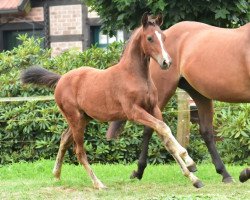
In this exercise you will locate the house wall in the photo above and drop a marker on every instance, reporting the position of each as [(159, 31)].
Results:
[(65, 23), (65, 20), (35, 15)]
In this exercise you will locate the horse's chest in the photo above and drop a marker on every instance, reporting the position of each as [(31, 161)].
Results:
[(147, 98)]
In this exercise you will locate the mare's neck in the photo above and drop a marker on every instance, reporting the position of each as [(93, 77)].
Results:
[(133, 59)]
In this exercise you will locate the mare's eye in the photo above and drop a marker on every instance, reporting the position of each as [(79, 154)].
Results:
[(150, 39)]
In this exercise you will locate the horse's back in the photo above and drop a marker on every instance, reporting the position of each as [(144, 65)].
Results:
[(215, 61), (71, 81)]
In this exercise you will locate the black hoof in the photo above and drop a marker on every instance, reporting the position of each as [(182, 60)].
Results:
[(192, 168), (244, 176), (198, 184), (228, 180), (135, 175)]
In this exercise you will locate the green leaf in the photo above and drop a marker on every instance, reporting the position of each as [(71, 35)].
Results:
[(221, 13)]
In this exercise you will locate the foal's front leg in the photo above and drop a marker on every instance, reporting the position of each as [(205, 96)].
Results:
[(177, 151)]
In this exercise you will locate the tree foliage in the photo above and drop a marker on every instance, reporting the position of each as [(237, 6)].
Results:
[(127, 13)]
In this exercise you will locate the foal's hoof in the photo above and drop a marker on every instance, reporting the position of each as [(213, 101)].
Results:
[(244, 176), (57, 176), (100, 186), (228, 180), (192, 168), (135, 175), (198, 184)]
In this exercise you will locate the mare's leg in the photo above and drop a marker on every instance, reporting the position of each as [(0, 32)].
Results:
[(179, 153), (244, 175), (166, 84), (115, 129), (77, 123), (66, 142), (205, 111), (142, 163)]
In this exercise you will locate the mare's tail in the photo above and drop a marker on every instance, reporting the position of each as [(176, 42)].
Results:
[(40, 76)]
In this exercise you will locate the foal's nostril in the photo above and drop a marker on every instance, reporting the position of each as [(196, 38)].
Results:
[(166, 64)]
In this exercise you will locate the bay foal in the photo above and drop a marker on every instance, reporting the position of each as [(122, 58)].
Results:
[(210, 63), (124, 91)]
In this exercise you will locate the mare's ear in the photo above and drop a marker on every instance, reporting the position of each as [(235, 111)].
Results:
[(159, 20), (144, 19)]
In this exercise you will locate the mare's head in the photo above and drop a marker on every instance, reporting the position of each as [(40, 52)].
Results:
[(152, 40)]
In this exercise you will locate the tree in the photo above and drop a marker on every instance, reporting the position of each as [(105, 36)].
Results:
[(126, 14)]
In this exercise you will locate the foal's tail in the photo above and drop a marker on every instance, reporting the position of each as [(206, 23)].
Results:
[(40, 76)]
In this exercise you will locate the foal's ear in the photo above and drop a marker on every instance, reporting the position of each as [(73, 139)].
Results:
[(159, 20), (144, 19)]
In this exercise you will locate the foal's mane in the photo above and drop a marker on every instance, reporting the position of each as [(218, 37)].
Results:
[(151, 22), (128, 42)]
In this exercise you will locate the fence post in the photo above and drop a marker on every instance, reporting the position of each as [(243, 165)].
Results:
[(183, 124)]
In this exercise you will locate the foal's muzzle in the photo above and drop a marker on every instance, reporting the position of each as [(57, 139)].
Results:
[(166, 63)]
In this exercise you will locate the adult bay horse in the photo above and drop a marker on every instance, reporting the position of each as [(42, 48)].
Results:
[(210, 63), (124, 91)]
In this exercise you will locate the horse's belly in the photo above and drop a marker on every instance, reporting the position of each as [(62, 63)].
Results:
[(234, 91), (105, 115), (101, 107)]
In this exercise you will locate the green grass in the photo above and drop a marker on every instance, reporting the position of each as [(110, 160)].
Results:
[(35, 181)]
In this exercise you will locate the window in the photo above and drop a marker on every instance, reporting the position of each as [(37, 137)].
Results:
[(10, 31), (102, 40), (10, 37)]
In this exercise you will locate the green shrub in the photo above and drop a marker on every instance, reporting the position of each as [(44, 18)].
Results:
[(232, 124)]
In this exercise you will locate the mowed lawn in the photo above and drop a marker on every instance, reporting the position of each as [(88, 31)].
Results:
[(35, 181)]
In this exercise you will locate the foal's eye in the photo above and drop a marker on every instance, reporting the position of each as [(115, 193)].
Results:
[(150, 39)]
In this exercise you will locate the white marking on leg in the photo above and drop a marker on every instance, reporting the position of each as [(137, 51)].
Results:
[(164, 53)]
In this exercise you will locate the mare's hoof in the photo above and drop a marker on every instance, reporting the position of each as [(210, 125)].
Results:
[(228, 180), (192, 168), (244, 176), (135, 175), (198, 184)]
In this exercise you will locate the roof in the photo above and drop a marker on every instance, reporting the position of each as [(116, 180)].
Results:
[(14, 6)]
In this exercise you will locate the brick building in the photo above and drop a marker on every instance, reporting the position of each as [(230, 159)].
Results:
[(62, 23)]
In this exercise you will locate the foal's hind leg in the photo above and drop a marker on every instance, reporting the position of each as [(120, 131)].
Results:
[(66, 141), (77, 123)]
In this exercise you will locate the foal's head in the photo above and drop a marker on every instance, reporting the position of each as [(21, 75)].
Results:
[(152, 40)]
